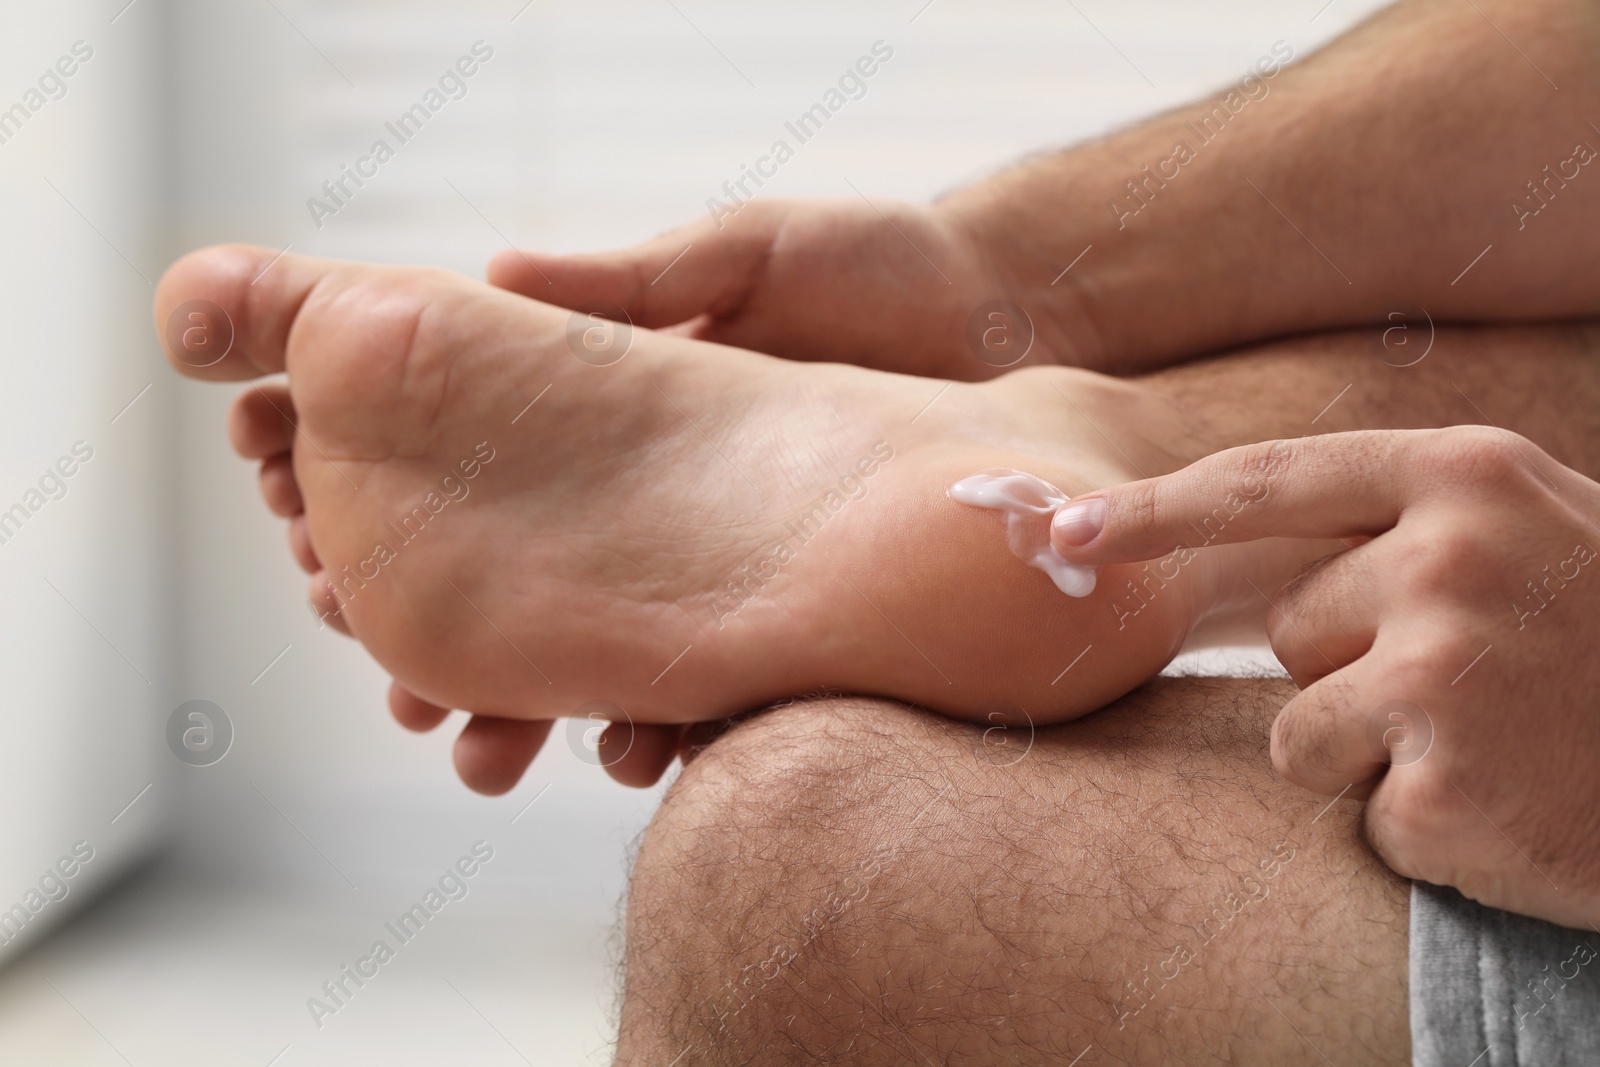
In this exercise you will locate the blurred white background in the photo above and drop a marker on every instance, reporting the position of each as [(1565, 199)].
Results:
[(220, 898)]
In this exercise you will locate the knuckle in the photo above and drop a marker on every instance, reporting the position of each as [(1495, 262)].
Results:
[(1211, 492), (1255, 466), (1447, 558), (1140, 511), (1429, 563), (1405, 821), (1302, 743), (1293, 606), (1292, 599), (1482, 455), (1282, 635), (1415, 666)]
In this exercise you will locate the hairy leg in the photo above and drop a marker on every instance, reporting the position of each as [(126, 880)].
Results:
[(851, 881)]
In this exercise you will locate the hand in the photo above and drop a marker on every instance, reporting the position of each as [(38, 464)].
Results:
[(891, 286), (1446, 661)]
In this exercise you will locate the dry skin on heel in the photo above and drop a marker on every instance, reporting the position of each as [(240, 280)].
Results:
[(1029, 504)]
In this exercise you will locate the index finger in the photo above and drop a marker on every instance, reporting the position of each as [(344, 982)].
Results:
[(1330, 486)]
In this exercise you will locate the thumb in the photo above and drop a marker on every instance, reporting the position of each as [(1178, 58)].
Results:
[(707, 267)]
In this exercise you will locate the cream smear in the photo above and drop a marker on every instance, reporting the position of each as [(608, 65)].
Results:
[(1029, 504)]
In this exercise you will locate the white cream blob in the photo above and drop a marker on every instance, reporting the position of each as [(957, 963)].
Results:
[(1029, 504)]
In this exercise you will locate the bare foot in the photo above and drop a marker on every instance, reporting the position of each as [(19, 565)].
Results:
[(686, 533)]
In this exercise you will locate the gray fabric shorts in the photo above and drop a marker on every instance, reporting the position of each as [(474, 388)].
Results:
[(1492, 989)]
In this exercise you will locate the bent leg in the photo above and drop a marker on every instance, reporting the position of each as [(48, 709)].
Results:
[(851, 881)]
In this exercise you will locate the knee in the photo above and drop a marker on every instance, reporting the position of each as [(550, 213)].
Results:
[(760, 875), (852, 881)]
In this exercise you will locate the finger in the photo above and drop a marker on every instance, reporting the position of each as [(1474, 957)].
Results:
[(1332, 486), (300, 545), (1320, 740), (319, 592), (1327, 616), (491, 754), (412, 712), (261, 422), (257, 292), (650, 750), (279, 488), (697, 269)]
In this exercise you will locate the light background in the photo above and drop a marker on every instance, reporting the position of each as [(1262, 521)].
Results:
[(223, 897)]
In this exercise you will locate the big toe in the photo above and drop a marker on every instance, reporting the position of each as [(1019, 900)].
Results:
[(224, 313)]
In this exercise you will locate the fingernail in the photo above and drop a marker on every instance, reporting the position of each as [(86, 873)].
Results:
[(1080, 523)]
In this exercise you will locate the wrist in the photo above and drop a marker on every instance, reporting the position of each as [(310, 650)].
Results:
[(1032, 253), (1134, 261)]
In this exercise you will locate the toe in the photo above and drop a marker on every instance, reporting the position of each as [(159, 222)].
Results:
[(412, 712), (300, 545), (261, 422), (649, 751), (491, 754), (319, 593), (225, 312), (278, 487), (697, 736)]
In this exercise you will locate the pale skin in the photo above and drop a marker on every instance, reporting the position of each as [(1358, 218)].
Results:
[(1402, 154), (382, 415), (581, 548), (598, 529), (1469, 543)]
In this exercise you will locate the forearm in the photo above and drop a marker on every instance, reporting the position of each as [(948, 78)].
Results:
[(1329, 193), (1541, 382)]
